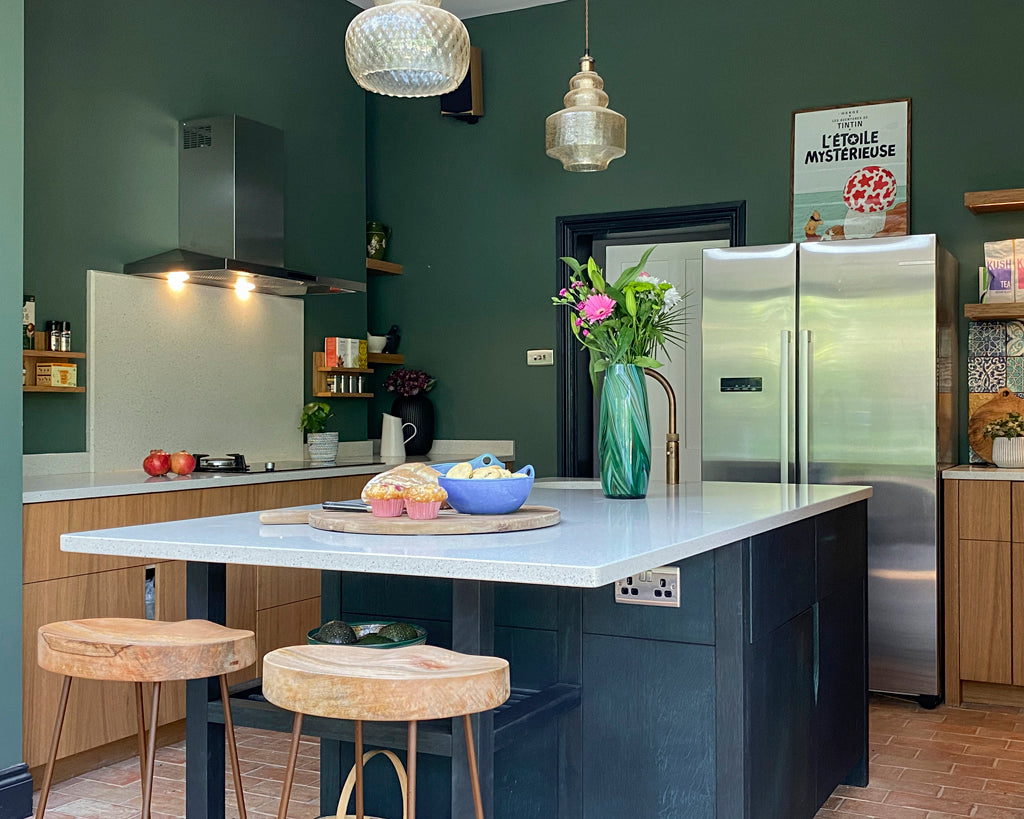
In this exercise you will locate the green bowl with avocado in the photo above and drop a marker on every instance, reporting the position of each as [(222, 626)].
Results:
[(367, 634)]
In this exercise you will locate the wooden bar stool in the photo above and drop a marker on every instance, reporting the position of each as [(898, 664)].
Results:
[(389, 685), (142, 651)]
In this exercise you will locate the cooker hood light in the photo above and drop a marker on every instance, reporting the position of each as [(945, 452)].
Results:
[(231, 214)]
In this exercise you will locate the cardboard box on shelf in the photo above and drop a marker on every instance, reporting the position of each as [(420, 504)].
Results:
[(1001, 285), (56, 375), (345, 352)]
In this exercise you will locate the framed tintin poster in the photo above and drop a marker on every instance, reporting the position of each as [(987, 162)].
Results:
[(851, 172)]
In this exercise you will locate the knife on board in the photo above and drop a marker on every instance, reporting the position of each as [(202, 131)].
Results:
[(277, 516)]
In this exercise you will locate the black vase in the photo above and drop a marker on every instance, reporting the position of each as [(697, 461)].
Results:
[(418, 410)]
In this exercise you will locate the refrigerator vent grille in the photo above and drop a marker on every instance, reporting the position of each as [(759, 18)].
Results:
[(197, 136)]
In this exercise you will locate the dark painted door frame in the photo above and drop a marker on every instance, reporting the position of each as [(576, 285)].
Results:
[(575, 236)]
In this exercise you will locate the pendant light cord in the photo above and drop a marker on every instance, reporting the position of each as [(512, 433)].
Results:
[(586, 27)]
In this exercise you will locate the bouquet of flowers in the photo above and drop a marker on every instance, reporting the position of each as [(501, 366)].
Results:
[(1012, 426), (409, 382), (627, 322)]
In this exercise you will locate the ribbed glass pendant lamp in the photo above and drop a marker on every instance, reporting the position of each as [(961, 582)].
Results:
[(407, 48), (585, 135)]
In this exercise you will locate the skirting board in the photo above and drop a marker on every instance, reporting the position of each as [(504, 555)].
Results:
[(15, 792)]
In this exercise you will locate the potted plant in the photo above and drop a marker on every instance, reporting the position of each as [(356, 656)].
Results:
[(323, 446), (412, 406), (1007, 436)]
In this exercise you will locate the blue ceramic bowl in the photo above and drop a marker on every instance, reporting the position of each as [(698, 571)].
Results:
[(496, 496)]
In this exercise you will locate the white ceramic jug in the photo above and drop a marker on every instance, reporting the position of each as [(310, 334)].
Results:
[(392, 444)]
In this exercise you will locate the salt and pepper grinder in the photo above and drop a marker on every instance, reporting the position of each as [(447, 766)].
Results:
[(65, 337)]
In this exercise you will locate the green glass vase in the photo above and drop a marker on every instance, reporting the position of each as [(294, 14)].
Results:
[(624, 435)]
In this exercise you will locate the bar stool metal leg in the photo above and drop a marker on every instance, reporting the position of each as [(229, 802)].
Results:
[(229, 730), (360, 810), (147, 780), (289, 773), (62, 708), (140, 722), (410, 765), (474, 776)]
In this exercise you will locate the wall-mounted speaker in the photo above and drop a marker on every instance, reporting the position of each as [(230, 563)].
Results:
[(467, 101)]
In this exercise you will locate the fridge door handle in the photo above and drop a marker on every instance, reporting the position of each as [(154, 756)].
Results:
[(785, 341), (803, 404)]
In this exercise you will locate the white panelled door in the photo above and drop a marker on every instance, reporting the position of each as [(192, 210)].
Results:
[(679, 263)]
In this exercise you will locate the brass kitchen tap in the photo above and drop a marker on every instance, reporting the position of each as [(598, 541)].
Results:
[(672, 438)]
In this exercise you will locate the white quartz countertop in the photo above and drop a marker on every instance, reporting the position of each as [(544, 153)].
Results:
[(982, 473), (45, 488), (598, 540)]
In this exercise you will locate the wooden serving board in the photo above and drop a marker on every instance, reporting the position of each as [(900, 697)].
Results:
[(1002, 405), (448, 522)]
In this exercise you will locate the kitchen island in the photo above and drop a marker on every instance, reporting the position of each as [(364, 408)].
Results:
[(748, 700)]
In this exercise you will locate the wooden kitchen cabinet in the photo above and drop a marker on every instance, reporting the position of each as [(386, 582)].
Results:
[(984, 589), (279, 604)]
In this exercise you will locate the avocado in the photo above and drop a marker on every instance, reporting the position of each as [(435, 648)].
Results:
[(336, 632), (373, 640), (399, 632)]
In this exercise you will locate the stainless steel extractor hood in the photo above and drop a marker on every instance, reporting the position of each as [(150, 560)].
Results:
[(231, 213)]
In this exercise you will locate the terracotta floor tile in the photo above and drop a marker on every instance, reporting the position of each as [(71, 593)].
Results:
[(948, 763)]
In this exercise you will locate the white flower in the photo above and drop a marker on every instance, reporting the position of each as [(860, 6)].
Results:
[(672, 297)]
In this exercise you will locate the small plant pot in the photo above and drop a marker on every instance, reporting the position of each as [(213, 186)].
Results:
[(323, 446), (1008, 452)]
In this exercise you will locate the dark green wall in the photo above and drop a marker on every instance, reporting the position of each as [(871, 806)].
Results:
[(106, 84), (708, 90), (11, 191)]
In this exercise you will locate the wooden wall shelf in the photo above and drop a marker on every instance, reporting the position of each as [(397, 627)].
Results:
[(994, 201), (994, 312), (320, 373), (376, 267), (30, 358), (385, 358)]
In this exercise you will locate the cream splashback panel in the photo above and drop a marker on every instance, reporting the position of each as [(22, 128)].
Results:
[(199, 369)]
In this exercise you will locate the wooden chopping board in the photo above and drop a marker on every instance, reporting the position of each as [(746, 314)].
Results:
[(448, 522), (1002, 405)]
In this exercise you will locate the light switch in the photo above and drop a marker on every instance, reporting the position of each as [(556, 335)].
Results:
[(540, 358)]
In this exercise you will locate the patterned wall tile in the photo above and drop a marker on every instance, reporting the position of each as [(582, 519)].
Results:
[(986, 373), (1015, 338), (987, 338), (1015, 373)]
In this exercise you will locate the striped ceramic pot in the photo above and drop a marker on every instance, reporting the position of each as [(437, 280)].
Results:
[(624, 435), (1008, 452)]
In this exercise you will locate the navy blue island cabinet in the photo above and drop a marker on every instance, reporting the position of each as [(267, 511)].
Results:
[(749, 701)]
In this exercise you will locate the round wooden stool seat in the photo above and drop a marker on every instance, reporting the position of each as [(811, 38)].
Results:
[(116, 648), (394, 684)]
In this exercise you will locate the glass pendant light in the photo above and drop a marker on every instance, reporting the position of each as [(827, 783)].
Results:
[(407, 48), (585, 135)]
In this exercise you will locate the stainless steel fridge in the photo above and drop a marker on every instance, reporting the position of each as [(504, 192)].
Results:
[(835, 362)]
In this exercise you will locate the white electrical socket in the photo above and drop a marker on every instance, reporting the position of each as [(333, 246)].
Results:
[(540, 358), (657, 587)]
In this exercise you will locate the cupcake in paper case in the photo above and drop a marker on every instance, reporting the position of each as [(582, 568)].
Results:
[(386, 500), (424, 502)]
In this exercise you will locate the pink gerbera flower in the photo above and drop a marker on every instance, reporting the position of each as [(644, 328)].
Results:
[(598, 307)]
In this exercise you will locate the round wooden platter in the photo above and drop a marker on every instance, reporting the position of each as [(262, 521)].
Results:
[(1002, 405), (448, 522)]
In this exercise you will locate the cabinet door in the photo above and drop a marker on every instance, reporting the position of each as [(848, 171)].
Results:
[(984, 510), (781, 721), (285, 626), (1017, 629), (98, 711), (985, 610)]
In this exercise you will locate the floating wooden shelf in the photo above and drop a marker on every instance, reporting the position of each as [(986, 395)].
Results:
[(30, 358), (385, 358), (994, 312), (343, 395), (55, 354), (343, 370), (994, 201), (376, 267)]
